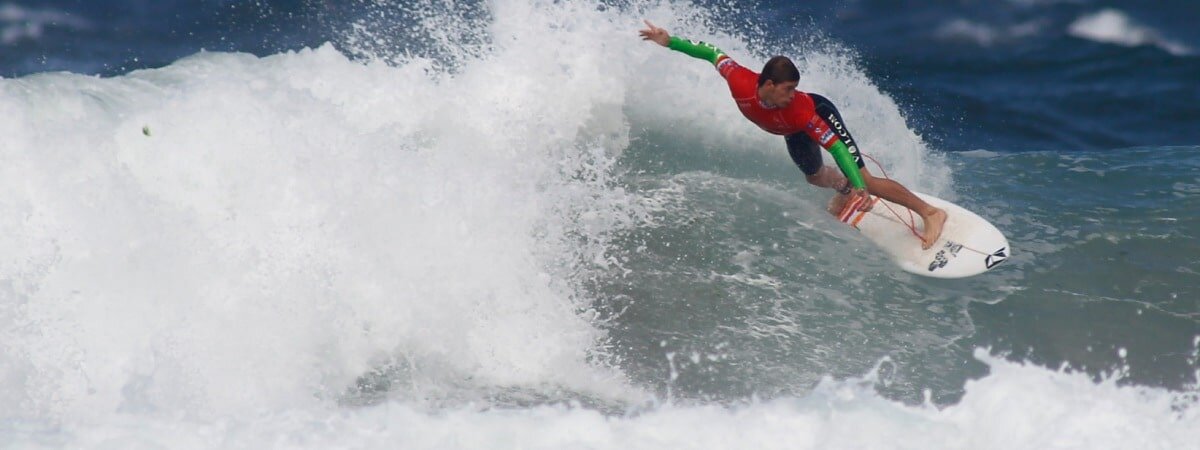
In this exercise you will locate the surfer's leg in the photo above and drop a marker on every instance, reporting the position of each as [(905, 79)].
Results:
[(933, 218), (827, 177), (807, 156)]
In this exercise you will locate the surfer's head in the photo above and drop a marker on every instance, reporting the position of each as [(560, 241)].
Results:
[(778, 80)]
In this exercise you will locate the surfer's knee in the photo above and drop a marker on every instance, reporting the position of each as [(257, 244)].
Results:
[(814, 180), (825, 177)]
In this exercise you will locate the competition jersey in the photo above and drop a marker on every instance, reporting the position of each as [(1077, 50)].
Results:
[(799, 116)]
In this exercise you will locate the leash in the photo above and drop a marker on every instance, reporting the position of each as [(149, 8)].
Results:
[(853, 206)]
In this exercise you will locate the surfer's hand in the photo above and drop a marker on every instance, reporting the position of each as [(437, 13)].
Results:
[(656, 34), (857, 194)]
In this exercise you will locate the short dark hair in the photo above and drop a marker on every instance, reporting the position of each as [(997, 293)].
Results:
[(778, 69)]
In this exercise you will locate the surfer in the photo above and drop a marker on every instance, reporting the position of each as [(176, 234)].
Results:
[(808, 122)]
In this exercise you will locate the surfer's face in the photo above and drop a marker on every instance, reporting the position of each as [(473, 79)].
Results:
[(778, 94)]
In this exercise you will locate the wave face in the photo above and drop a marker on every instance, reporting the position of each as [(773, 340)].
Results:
[(542, 232)]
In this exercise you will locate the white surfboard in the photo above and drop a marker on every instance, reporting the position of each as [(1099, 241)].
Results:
[(969, 245)]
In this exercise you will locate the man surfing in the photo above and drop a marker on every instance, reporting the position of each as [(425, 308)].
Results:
[(808, 122)]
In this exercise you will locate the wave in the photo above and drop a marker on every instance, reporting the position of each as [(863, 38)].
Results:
[(1111, 26), (294, 223), (286, 224), (411, 249)]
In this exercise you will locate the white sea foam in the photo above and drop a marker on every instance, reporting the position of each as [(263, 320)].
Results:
[(231, 233), (1016, 406), (213, 253), (1115, 27)]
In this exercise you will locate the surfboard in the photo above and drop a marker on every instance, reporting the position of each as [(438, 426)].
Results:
[(969, 245)]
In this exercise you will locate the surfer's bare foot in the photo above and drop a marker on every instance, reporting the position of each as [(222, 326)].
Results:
[(933, 227), (838, 203)]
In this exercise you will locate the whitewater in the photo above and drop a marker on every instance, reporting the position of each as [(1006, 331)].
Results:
[(468, 244)]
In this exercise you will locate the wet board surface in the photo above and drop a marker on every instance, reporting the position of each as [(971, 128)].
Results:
[(969, 244)]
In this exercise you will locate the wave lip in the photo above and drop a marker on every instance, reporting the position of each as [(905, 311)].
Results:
[(1111, 26), (292, 223)]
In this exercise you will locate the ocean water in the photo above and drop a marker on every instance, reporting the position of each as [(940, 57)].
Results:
[(513, 224)]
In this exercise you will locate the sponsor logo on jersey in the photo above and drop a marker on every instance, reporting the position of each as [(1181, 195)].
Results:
[(827, 137), (845, 135), (835, 122)]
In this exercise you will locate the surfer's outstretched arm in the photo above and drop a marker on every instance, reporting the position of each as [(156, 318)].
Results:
[(695, 49)]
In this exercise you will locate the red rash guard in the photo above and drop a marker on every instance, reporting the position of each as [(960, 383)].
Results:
[(800, 116)]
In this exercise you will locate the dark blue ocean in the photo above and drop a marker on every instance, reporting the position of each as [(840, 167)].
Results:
[(513, 224)]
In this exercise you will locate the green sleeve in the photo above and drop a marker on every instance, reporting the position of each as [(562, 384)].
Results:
[(695, 49), (841, 154)]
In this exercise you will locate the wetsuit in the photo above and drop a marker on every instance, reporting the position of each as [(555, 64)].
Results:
[(808, 123)]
